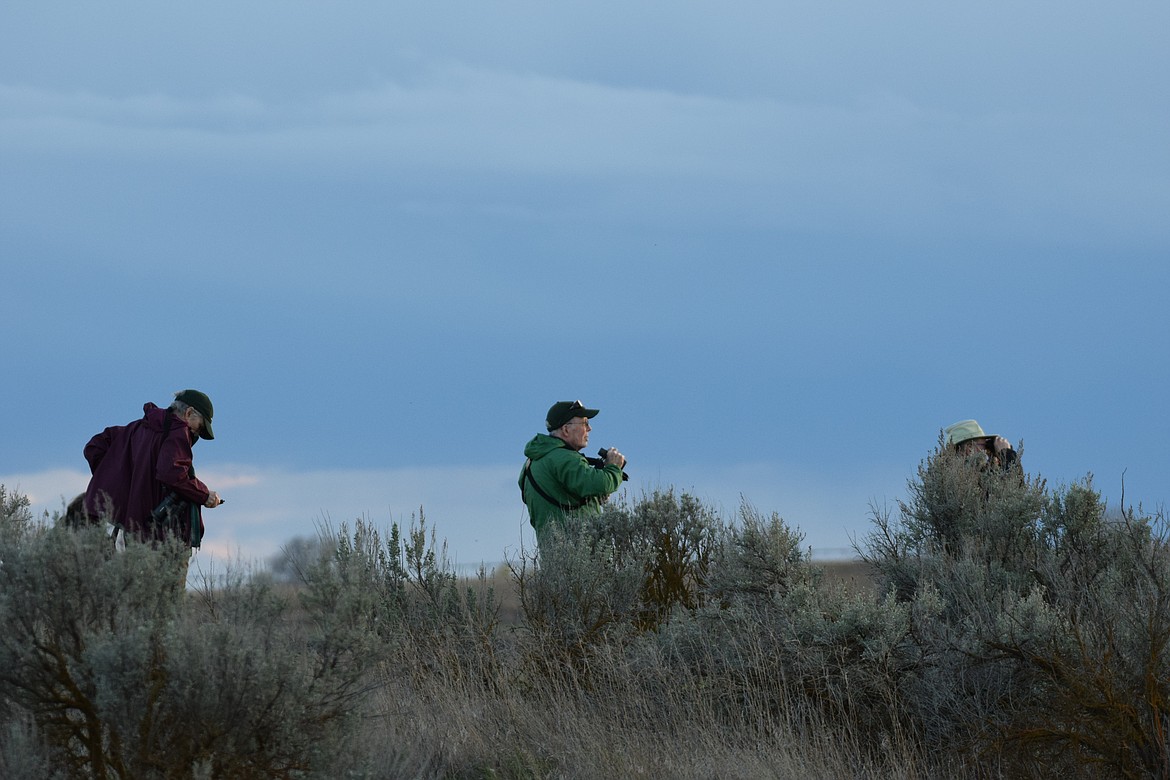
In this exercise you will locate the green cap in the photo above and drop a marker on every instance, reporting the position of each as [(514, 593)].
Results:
[(202, 404), (964, 430), (563, 411)]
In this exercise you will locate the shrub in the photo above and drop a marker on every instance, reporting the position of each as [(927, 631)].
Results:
[(955, 511), (120, 674), (579, 592), (65, 601), (1098, 653), (605, 577), (674, 537), (1019, 632), (773, 637), (1041, 629), (758, 561), (397, 599)]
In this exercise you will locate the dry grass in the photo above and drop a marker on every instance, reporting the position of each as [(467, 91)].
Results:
[(539, 727), (856, 576), (582, 663)]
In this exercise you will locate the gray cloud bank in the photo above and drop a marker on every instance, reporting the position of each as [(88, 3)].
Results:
[(819, 230)]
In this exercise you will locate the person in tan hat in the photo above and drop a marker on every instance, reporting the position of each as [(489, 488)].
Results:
[(143, 482), (967, 437), (557, 480)]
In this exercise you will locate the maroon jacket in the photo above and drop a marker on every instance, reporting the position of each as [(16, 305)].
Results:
[(134, 468)]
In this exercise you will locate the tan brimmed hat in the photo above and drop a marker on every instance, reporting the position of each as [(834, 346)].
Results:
[(964, 430)]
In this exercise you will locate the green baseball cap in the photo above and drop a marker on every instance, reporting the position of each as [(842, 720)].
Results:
[(202, 404), (563, 411), (964, 430)]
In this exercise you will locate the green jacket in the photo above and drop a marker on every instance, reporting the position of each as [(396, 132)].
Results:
[(566, 477)]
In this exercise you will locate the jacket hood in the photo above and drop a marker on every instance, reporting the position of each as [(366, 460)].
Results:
[(153, 415), (541, 445), (155, 418)]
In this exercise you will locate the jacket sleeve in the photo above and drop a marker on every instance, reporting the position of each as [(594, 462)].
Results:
[(583, 481), (174, 469), (96, 449)]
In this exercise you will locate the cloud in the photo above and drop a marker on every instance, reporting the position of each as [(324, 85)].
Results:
[(47, 491), (894, 120), (876, 159)]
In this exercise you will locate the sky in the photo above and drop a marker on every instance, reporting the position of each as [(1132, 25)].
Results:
[(780, 245)]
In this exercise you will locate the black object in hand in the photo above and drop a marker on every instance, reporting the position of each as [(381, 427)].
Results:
[(599, 462)]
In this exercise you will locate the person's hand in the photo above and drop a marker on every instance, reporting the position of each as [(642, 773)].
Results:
[(213, 500), (1000, 444), (613, 457)]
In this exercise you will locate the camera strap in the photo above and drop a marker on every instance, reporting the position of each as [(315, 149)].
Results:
[(166, 430), (171, 510), (528, 477)]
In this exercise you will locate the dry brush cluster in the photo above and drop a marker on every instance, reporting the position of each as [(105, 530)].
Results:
[(1014, 630)]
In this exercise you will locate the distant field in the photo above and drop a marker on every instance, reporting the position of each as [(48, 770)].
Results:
[(856, 575), (852, 573)]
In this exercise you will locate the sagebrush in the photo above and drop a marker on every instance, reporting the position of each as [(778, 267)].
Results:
[(1015, 630)]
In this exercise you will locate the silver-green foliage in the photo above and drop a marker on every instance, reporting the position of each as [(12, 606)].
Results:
[(397, 598), (118, 672), (1022, 632), (582, 589), (749, 631), (1041, 627), (603, 578), (772, 637)]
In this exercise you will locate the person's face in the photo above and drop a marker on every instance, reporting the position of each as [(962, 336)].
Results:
[(194, 420), (974, 446), (977, 451), (576, 432)]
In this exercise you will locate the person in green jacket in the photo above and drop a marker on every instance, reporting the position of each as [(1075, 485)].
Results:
[(557, 481)]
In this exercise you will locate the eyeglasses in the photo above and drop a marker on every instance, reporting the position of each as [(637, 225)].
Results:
[(582, 422)]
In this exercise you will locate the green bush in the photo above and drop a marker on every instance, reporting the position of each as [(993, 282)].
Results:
[(1018, 631), (398, 600), (121, 674), (772, 637), (580, 591), (1041, 628), (606, 577)]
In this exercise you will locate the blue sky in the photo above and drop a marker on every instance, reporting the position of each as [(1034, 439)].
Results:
[(780, 245)]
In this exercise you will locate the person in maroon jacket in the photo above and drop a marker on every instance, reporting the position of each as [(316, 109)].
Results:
[(136, 467)]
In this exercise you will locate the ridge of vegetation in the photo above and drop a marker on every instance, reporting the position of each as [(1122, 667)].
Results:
[(1005, 628)]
